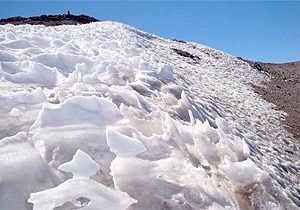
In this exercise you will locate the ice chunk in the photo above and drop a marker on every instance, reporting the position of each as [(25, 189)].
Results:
[(243, 173), (13, 67), (1, 71), (39, 41), (65, 62), (82, 165), (37, 73), (99, 196), (122, 145), (22, 171), (79, 110), (166, 73), (143, 65), (18, 44), (22, 98), (80, 186), (19, 137), (6, 56)]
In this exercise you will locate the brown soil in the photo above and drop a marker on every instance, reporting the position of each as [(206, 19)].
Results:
[(283, 90)]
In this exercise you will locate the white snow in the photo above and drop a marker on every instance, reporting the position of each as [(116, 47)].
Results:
[(104, 116), (81, 165), (97, 195), (22, 171), (122, 145), (80, 191), (242, 173), (79, 110)]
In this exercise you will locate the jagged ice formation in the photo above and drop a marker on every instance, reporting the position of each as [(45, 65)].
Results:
[(107, 116)]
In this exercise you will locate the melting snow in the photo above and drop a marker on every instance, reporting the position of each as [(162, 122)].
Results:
[(122, 145), (81, 165), (136, 124), (80, 191)]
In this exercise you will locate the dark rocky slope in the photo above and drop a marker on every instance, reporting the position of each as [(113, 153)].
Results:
[(50, 20)]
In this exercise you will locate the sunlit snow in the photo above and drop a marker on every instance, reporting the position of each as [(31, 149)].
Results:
[(104, 116), (81, 165), (81, 191)]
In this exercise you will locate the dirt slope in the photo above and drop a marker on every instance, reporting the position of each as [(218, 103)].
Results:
[(283, 90)]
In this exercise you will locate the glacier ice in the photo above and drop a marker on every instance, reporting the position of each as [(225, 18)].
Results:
[(89, 110), (122, 145), (81, 165), (104, 116), (80, 190), (22, 171)]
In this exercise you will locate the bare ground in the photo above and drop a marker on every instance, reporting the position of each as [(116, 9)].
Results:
[(283, 90)]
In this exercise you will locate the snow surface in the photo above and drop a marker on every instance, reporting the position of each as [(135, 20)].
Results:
[(82, 191), (104, 116), (81, 165)]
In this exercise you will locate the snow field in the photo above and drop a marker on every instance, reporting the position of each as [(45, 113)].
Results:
[(103, 116)]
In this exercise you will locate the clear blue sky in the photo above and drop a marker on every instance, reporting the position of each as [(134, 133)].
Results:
[(265, 31)]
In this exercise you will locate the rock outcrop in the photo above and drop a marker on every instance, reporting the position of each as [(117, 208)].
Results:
[(50, 20)]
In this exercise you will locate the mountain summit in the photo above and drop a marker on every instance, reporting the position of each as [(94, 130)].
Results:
[(50, 20), (103, 115)]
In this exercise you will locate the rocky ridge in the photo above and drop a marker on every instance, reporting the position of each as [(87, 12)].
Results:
[(50, 20)]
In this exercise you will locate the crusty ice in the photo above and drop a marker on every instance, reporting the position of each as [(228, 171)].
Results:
[(103, 115)]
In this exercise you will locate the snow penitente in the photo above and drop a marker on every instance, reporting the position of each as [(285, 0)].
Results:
[(105, 115)]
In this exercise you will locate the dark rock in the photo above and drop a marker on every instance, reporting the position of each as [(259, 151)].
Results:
[(185, 54), (50, 20), (258, 66), (177, 40)]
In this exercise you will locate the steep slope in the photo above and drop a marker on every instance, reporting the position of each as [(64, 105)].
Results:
[(103, 114), (283, 90)]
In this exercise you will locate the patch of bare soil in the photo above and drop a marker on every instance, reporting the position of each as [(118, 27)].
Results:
[(283, 90)]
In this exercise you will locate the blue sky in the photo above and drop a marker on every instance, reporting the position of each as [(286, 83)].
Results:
[(267, 31)]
